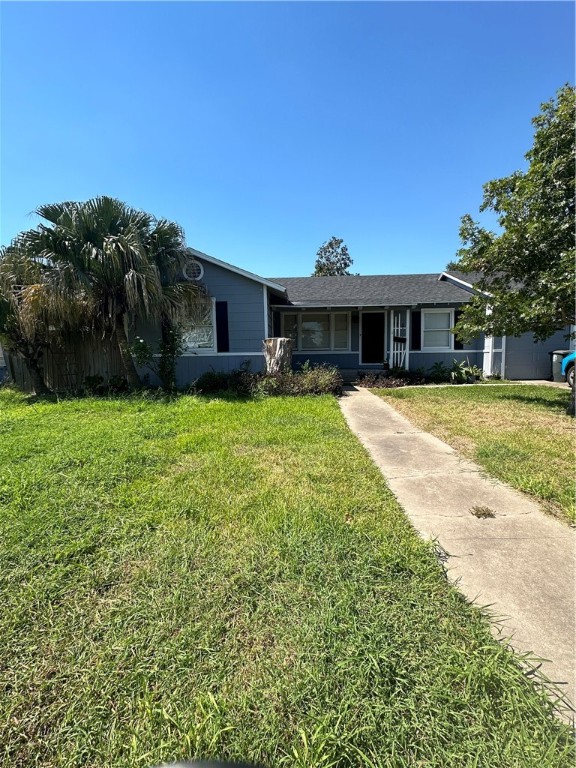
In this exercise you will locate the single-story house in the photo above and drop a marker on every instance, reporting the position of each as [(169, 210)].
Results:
[(355, 322)]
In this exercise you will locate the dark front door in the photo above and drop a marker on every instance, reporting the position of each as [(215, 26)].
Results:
[(372, 338)]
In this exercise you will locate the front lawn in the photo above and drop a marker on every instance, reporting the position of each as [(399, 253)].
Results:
[(519, 433), (202, 577)]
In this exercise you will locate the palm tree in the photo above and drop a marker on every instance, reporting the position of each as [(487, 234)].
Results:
[(126, 260)]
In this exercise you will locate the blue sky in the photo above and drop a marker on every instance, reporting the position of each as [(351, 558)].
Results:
[(265, 128)]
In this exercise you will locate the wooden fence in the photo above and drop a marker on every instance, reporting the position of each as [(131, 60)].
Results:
[(66, 367)]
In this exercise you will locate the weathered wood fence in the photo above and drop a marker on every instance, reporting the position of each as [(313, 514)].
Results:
[(66, 367)]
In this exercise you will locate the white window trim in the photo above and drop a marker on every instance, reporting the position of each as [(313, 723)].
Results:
[(444, 310), (298, 347), (455, 351), (206, 350)]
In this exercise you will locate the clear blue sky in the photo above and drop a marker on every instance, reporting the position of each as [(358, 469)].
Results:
[(265, 128)]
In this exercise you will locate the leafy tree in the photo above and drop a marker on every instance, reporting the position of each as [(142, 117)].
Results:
[(527, 270), (125, 260), (36, 308), (332, 258)]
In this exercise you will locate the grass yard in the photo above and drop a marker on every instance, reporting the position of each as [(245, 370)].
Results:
[(518, 433), (203, 577)]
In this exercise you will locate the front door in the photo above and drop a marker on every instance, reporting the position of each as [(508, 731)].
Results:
[(373, 339)]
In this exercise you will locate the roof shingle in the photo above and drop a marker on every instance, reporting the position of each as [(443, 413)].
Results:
[(371, 290)]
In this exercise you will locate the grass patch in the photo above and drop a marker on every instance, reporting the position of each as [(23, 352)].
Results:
[(518, 433), (482, 512), (205, 577)]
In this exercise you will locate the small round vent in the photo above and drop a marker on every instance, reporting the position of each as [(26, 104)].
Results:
[(193, 270)]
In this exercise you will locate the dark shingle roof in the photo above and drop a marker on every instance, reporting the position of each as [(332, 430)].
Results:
[(372, 290), (468, 277)]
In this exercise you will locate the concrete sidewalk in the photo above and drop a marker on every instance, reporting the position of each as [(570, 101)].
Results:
[(520, 562)]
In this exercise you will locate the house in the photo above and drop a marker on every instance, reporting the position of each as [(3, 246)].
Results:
[(355, 322)]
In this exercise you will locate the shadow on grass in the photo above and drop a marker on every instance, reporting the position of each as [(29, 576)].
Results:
[(61, 397), (560, 405), (158, 396)]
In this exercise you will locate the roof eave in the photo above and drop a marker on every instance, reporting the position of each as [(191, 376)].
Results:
[(366, 304), (249, 275)]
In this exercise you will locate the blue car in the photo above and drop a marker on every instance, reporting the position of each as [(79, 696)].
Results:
[(568, 368)]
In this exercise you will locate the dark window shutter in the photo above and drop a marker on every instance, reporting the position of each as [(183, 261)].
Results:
[(223, 343), (277, 331), (457, 343), (415, 330)]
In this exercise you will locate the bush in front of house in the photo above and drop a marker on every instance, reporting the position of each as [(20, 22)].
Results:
[(392, 379), (461, 372), (238, 382), (310, 380), (439, 373), (97, 386)]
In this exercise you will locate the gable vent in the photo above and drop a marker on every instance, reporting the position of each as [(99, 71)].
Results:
[(193, 270)]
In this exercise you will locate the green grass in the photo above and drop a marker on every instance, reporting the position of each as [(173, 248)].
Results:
[(202, 577), (518, 433)]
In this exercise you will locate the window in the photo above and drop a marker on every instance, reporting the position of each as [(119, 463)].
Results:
[(340, 331), (291, 328), (318, 331), (436, 325), (199, 331), (315, 331)]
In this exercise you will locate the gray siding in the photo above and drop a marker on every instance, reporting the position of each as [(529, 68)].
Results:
[(523, 359), (340, 359), (497, 364), (245, 299), (474, 345), (246, 327), (189, 368), (426, 360), (245, 306)]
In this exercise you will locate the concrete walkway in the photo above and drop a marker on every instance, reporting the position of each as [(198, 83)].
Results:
[(520, 562)]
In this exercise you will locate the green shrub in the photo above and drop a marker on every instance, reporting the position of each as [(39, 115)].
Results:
[(464, 373), (161, 359), (212, 382), (118, 385), (319, 380), (439, 373), (396, 377), (311, 380), (94, 385)]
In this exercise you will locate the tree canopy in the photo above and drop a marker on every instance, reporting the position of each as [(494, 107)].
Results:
[(332, 258), (36, 308), (527, 270), (122, 264)]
